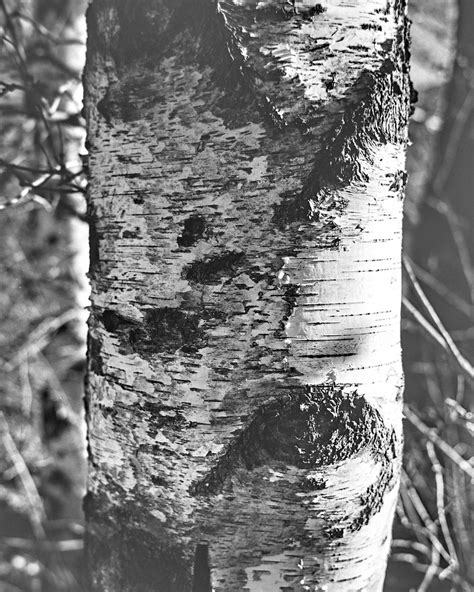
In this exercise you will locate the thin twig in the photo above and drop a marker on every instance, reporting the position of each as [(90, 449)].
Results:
[(426, 526), (431, 572), (459, 303), (25, 386), (463, 364), (411, 559), (8, 87), (438, 333), (42, 30), (27, 545), (466, 417), (453, 143), (433, 436), (416, 546), (39, 336), (435, 318), (438, 472), (37, 514)]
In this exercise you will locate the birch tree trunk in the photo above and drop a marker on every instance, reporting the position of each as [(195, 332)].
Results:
[(244, 387)]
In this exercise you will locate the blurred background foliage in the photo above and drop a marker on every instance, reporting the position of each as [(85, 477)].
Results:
[(43, 295)]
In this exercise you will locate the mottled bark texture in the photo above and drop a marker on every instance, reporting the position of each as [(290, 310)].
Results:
[(246, 182)]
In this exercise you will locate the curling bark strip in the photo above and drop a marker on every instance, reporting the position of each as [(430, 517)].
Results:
[(244, 385)]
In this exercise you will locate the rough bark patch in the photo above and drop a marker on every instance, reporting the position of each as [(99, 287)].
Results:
[(372, 500), (310, 428), (379, 117)]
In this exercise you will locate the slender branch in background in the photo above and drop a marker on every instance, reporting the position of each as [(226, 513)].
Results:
[(415, 546), (39, 337), (439, 333), (422, 524), (431, 572), (64, 545), (458, 229), (463, 364), (29, 83), (28, 193), (440, 504), (427, 278), (44, 31), (452, 148), (433, 436), (429, 329), (419, 520), (26, 391), (411, 559), (8, 87), (36, 513), (465, 418)]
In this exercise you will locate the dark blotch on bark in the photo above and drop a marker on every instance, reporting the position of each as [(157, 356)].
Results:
[(334, 533), (94, 348), (193, 230), (164, 416), (308, 428), (290, 294), (162, 330), (138, 198), (168, 329), (212, 270), (131, 233), (114, 321), (93, 239)]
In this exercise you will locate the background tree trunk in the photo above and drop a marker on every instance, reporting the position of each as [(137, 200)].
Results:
[(244, 387)]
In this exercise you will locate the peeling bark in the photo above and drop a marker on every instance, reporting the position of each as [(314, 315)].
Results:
[(247, 174)]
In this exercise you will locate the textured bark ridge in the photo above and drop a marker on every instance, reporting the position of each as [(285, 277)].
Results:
[(246, 183)]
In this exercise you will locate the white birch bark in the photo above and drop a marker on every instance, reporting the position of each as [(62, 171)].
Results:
[(244, 388)]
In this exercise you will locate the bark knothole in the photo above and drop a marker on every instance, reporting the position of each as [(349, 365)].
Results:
[(316, 427)]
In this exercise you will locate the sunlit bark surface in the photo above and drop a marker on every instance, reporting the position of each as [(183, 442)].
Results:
[(244, 390)]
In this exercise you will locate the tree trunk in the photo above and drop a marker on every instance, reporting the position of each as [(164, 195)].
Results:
[(244, 387)]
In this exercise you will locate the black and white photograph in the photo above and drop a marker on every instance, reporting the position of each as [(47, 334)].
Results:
[(236, 295)]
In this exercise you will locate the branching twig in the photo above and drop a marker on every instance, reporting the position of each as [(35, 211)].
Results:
[(459, 303), (438, 332), (466, 417), (438, 471), (433, 436), (39, 336)]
